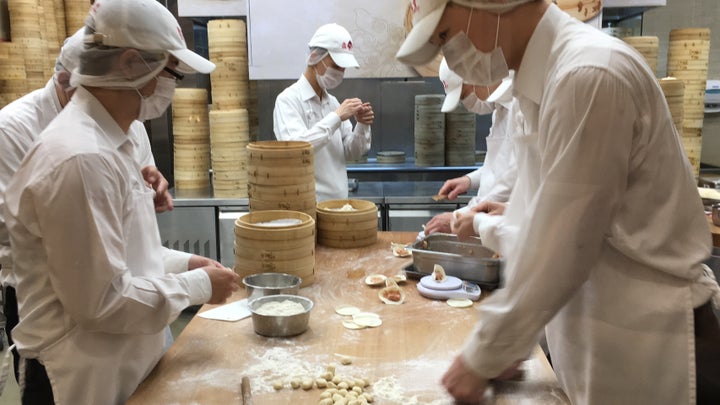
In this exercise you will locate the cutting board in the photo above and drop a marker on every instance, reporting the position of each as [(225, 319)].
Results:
[(583, 10)]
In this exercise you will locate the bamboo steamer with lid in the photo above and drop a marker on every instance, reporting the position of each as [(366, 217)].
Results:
[(276, 241), (674, 91), (354, 227), (280, 176), (191, 139)]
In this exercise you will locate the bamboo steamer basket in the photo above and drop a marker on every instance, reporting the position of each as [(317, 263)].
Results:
[(674, 91), (693, 149), (278, 171), (688, 57), (191, 139), (75, 13), (346, 229), (647, 46), (283, 249)]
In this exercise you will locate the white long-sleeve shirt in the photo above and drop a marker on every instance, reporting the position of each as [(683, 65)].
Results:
[(300, 115), (94, 298), (608, 235), (495, 179), (21, 123)]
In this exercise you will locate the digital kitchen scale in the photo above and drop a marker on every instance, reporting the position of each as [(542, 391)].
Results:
[(452, 287)]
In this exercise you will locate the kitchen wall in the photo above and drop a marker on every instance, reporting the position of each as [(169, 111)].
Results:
[(691, 14)]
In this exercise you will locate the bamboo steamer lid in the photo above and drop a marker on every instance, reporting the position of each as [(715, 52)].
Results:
[(191, 139), (297, 239), (674, 91), (307, 206)]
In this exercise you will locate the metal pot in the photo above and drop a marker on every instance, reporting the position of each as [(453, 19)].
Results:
[(280, 325), (262, 284)]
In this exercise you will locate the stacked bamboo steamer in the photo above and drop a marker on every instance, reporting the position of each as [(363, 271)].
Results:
[(647, 46), (460, 138), (228, 142), (281, 176), (346, 223), (75, 13), (37, 30), (674, 91), (688, 55), (276, 241), (191, 139), (230, 119), (429, 130)]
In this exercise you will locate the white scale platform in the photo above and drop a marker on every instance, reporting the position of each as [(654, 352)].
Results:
[(452, 287)]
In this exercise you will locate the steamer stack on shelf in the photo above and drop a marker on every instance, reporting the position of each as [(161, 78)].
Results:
[(37, 30), (281, 176), (459, 138), (429, 130), (647, 46), (688, 55), (191, 139), (674, 91), (232, 101)]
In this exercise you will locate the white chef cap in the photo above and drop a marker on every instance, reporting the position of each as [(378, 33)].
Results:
[(115, 26), (416, 49), (452, 84), (335, 40)]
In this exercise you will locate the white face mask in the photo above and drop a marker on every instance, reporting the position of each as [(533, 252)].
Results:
[(473, 104), (475, 67), (331, 78), (155, 104)]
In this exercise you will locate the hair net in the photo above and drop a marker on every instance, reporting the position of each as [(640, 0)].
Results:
[(316, 55), (68, 58), (495, 6), (101, 66)]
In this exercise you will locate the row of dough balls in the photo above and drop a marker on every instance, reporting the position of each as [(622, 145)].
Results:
[(339, 390)]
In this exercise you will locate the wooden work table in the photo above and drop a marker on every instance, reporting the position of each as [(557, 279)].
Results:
[(404, 358)]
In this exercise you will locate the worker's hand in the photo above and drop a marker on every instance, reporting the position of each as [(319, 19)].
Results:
[(454, 187), (462, 225), (439, 223), (224, 282), (196, 262), (366, 115), (463, 384), (349, 108), (490, 207), (163, 200)]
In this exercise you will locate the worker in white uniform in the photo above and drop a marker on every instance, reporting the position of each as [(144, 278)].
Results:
[(93, 294), (305, 111), (20, 124), (607, 253), (494, 180)]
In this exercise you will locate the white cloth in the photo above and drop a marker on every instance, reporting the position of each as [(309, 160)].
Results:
[(610, 233), (496, 178), (21, 123), (300, 115), (93, 297)]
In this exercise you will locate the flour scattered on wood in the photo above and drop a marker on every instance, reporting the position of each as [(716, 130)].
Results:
[(279, 364)]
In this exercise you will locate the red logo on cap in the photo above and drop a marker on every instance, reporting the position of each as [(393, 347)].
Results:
[(95, 7), (445, 84), (180, 35), (347, 45), (415, 7)]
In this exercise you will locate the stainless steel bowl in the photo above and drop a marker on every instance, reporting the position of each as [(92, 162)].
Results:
[(262, 284), (280, 325)]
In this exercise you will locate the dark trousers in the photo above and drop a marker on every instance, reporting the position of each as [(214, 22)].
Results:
[(38, 390), (707, 355), (10, 310)]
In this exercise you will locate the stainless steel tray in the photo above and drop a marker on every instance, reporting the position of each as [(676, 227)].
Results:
[(466, 260)]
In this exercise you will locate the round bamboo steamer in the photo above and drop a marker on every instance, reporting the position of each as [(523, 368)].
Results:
[(346, 229), (300, 236), (693, 149), (75, 13), (297, 151), (192, 184), (647, 46), (265, 254), (690, 34), (674, 91)]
